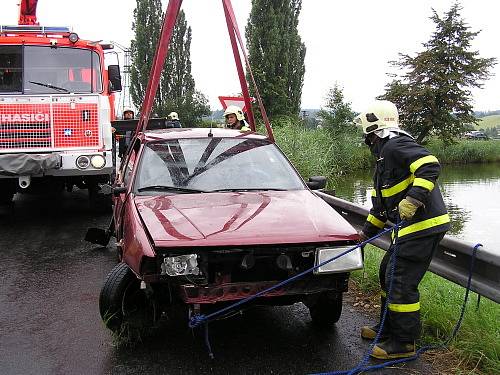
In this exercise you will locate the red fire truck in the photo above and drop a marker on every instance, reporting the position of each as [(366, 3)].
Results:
[(56, 108)]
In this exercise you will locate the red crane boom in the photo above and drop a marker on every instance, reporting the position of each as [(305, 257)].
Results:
[(238, 50), (27, 12)]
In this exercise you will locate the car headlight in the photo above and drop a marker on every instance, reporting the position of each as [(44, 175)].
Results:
[(82, 162), (180, 265), (348, 262), (98, 161)]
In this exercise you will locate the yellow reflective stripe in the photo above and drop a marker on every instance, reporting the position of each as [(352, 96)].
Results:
[(383, 293), (404, 307), (398, 188), (374, 193), (429, 185), (378, 223), (424, 224), (425, 160)]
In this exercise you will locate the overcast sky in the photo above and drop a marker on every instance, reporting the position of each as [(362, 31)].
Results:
[(348, 42)]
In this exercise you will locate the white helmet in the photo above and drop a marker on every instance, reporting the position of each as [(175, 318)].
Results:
[(382, 114), (234, 110), (173, 116), (128, 109)]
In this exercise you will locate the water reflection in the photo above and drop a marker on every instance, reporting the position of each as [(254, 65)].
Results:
[(470, 192)]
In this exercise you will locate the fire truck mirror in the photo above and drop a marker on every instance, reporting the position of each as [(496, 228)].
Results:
[(115, 78)]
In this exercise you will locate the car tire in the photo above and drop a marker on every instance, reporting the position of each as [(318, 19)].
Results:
[(123, 305), (326, 309)]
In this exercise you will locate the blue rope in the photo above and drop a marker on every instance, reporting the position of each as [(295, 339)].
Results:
[(423, 349), (198, 319), (392, 261)]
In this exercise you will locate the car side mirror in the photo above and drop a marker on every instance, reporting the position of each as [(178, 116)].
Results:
[(117, 190), (115, 78), (316, 182)]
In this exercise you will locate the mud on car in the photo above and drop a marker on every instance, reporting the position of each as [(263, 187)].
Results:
[(205, 217)]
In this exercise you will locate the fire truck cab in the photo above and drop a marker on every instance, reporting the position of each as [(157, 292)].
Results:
[(56, 108)]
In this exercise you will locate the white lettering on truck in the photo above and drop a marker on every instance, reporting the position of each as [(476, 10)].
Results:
[(24, 117)]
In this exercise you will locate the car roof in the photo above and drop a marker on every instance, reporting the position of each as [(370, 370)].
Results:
[(185, 133)]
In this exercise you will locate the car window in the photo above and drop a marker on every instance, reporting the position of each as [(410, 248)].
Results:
[(210, 164), (129, 167)]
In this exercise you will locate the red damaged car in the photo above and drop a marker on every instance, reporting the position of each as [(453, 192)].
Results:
[(203, 217)]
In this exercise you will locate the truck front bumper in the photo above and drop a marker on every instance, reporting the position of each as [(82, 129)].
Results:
[(53, 164)]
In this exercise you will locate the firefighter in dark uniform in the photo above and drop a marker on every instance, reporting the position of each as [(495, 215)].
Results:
[(405, 188), (173, 120)]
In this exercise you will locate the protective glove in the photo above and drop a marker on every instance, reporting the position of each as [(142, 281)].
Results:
[(407, 208)]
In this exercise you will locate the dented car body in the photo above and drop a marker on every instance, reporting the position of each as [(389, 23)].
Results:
[(208, 216)]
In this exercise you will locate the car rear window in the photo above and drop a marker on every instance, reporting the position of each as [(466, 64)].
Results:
[(210, 164)]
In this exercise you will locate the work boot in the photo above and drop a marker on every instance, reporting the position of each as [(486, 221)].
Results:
[(392, 348), (369, 333)]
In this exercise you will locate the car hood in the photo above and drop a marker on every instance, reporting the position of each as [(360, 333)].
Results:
[(241, 218)]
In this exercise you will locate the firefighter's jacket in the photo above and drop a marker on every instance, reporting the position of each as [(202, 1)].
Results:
[(404, 168)]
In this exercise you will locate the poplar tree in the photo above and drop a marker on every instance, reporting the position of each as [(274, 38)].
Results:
[(176, 91), (433, 89), (276, 54)]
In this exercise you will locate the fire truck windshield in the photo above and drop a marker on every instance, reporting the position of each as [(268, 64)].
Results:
[(48, 70)]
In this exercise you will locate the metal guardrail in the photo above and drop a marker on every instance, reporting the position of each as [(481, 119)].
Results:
[(451, 260)]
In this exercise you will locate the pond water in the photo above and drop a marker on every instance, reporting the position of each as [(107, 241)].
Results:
[(471, 193)]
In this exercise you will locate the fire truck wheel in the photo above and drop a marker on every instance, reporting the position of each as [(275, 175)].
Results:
[(125, 308), (326, 310)]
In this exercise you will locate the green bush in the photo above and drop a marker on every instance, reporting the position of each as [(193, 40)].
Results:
[(318, 151)]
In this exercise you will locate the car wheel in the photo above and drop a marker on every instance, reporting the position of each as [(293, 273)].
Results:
[(326, 309), (123, 305)]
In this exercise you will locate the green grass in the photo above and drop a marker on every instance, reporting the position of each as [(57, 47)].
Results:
[(488, 122), (466, 151), (478, 341)]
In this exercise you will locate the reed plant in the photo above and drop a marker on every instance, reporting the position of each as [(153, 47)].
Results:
[(320, 151), (466, 151)]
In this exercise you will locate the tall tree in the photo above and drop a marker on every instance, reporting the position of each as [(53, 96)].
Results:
[(433, 92), (176, 91), (146, 26), (277, 54), (337, 114)]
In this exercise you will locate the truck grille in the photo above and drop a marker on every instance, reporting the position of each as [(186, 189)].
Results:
[(34, 124), (25, 135)]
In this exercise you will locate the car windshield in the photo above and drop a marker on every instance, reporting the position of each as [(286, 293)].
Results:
[(214, 164)]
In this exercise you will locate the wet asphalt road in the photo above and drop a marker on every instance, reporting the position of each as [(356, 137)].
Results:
[(50, 281)]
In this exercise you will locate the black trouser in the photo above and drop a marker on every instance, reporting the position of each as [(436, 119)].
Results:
[(412, 261)]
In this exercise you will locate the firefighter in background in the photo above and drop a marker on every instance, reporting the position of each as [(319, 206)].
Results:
[(124, 141), (173, 120), (235, 119), (128, 114), (405, 188)]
